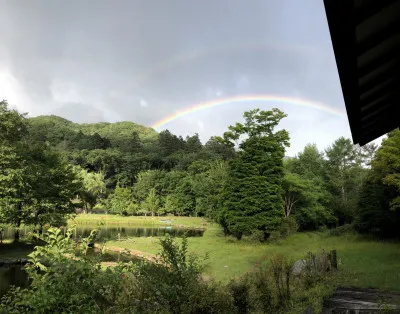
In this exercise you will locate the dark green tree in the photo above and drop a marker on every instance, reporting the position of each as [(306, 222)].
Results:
[(170, 143), (386, 165), (193, 143), (253, 192)]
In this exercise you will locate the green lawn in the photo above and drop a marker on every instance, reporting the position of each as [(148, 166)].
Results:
[(364, 262)]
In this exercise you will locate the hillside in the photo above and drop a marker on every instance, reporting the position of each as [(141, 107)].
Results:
[(119, 150), (56, 130)]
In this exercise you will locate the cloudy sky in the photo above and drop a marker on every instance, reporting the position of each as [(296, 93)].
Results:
[(144, 60)]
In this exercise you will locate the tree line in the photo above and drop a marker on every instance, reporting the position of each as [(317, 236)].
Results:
[(242, 180)]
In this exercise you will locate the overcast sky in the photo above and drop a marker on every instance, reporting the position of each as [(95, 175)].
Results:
[(91, 61)]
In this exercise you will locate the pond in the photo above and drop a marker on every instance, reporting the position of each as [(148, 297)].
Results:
[(115, 232), (14, 275)]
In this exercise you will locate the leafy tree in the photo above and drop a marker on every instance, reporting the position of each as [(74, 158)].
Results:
[(375, 215), (386, 165), (309, 163), (193, 143), (151, 203), (219, 148), (183, 197), (295, 189), (253, 191), (42, 191), (148, 180), (122, 202), (128, 144), (92, 189), (208, 185), (170, 143), (305, 189), (345, 178), (12, 124)]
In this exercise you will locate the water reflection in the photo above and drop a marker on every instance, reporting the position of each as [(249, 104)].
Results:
[(119, 232)]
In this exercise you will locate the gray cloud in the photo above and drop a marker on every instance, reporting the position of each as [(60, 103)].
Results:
[(103, 60)]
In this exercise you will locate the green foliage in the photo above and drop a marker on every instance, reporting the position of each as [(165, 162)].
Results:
[(93, 187), (151, 203), (377, 207), (12, 124), (375, 214), (253, 191), (341, 230), (148, 180), (63, 278), (208, 186), (345, 177), (386, 165), (122, 202)]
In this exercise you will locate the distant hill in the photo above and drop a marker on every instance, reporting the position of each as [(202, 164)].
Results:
[(57, 130)]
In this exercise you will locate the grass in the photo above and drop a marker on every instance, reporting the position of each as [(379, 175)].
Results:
[(365, 262), (142, 221)]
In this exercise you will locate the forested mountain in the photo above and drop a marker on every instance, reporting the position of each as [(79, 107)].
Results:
[(59, 131), (240, 180)]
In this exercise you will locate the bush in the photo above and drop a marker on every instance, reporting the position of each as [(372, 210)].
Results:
[(257, 236), (342, 230), (240, 291), (261, 293), (63, 276), (288, 227), (282, 274)]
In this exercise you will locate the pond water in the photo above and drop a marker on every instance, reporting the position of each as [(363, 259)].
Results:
[(115, 232), (14, 275)]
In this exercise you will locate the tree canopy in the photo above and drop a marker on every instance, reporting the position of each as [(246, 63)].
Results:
[(50, 166)]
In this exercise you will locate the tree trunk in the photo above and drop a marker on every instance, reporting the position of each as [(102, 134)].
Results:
[(17, 234)]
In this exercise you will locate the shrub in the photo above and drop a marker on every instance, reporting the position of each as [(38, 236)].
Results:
[(288, 227), (257, 236), (261, 293), (63, 276), (316, 269), (282, 274), (342, 230), (240, 291)]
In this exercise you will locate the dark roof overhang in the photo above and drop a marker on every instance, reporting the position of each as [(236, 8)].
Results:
[(366, 40)]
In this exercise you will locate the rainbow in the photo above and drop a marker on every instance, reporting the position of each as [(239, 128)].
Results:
[(248, 98)]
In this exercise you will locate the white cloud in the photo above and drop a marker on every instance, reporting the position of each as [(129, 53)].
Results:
[(143, 103), (201, 126), (13, 92), (64, 92)]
